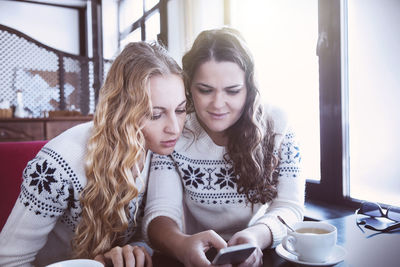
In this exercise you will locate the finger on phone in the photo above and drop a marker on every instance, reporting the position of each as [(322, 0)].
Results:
[(255, 259), (215, 240), (238, 240)]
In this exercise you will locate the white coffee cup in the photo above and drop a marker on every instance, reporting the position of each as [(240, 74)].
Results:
[(311, 241), (77, 263)]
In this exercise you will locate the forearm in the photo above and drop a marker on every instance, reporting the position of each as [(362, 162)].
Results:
[(165, 236), (259, 235), (289, 203)]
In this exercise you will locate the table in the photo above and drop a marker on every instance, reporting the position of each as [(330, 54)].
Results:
[(365, 248)]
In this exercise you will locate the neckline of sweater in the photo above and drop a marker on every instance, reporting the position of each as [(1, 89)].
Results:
[(202, 139)]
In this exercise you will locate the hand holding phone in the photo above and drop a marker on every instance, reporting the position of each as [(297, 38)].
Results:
[(230, 255)]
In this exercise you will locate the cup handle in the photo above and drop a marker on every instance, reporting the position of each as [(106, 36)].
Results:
[(287, 244)]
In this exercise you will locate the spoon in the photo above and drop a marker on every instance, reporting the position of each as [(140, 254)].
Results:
[(282, 221)]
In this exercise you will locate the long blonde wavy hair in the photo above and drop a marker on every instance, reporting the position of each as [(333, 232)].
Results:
[(116, 148)]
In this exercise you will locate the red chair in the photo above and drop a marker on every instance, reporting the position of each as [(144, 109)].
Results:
[(13, 158)]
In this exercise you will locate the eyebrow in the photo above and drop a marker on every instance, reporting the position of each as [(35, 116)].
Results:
[(163, 108), (228, 87)]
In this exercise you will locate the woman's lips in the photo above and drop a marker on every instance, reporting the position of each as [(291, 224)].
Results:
[(217, 116), (169, 143)]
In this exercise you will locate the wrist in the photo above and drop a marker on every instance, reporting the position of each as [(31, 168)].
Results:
[(178, 248), (262, 235), (166, 237)]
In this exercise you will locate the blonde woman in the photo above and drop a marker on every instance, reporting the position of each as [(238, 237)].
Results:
[(81, 196)]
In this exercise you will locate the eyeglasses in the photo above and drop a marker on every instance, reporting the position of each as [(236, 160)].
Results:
[(376, 219)]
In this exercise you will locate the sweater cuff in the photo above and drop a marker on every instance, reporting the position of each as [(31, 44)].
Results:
[(143, 244), (277, 229)]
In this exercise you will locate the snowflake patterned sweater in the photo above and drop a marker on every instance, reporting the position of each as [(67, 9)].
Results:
[(197, 180), (42, 223)]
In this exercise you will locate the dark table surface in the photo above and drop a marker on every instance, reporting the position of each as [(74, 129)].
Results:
[(365, 248)]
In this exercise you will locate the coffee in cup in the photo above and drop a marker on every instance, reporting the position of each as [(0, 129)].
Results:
[(311, 241), (309, 230)]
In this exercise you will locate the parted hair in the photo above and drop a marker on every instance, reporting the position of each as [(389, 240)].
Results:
[(116, 147), (251, 139)]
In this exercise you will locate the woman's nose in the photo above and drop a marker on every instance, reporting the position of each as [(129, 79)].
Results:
[(218, 100), (173, 125)]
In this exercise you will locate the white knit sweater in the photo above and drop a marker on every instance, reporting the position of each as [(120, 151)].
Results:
[(206, 184), (42, 223)]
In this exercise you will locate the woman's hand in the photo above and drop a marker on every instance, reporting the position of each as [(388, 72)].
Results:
[(129, 256), (258, 235), (192, 249)]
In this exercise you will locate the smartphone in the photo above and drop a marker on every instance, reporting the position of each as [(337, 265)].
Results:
[(230, 255)]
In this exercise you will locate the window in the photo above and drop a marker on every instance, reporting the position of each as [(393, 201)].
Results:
[(153, 26), (351, 121), (282, 36), (358, 94), (373, 97), (142, 20), (130, 11)]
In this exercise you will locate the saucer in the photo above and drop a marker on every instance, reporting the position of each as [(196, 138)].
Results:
[(338, 255)]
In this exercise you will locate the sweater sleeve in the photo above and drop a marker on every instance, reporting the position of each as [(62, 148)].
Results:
[(43, 198), (164, 192), (289, 203)]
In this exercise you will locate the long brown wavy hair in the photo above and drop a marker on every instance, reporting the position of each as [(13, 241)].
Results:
[(116, 147), (251, 139)]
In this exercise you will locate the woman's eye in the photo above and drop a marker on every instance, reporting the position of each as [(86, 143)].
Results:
[(233, 92), (181, 111), (204, 91), (155, 117)]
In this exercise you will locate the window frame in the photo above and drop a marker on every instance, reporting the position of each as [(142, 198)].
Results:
[(332, 54), (82, 17), (140, 23)]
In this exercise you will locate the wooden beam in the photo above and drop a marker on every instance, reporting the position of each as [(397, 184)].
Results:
[(97, 37)]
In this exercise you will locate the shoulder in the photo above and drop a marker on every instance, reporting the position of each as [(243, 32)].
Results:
[(73, 140), (77, 134), (67, 151), (69, 146), (279, 118)]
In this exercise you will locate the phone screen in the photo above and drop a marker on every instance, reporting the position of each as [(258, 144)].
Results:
[(234, 254)]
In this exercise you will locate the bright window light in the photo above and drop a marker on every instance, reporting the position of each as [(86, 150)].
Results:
[(282, 36), (374, 117)]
